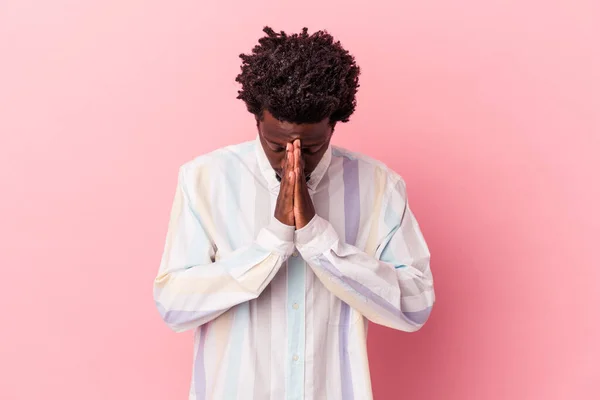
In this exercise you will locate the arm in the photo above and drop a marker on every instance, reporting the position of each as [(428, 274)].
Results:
[(395, 287), (192, 288)]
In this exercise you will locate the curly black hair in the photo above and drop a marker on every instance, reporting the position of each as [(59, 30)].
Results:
[(299, 78)]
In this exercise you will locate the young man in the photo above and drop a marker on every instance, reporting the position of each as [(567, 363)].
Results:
[(280, 250)]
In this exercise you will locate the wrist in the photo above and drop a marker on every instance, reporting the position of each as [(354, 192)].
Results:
[(277, 237), (304, 220), (315, 238)]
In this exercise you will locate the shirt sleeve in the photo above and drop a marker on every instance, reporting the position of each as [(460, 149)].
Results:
[(191, 287), (392, 288)]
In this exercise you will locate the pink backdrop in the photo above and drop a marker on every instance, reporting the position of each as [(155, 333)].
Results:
[(489, 109)]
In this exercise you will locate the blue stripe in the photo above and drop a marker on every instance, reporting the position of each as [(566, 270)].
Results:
[(233, 201), (296, 329), (351, 200), (351, 223), (241, 319), (392, 221), (346, 372)]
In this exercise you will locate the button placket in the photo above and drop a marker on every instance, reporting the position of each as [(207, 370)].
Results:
[(296, 270)]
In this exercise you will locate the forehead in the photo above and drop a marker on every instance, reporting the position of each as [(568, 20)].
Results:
[(277, 131)]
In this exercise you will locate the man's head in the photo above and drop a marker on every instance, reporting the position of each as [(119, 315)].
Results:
[(298, 87)]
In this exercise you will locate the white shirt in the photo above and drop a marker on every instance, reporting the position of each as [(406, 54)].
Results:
[(279, 313)]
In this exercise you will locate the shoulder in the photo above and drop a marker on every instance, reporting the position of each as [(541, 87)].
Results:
[(217, 163), (370, 166)]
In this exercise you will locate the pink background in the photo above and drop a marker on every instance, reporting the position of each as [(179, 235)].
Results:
[(489, 109)]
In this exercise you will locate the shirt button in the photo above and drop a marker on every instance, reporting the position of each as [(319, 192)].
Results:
[(295, 358), (295, 254), (295, 306)]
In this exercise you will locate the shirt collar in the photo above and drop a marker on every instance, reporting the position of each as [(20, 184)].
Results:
[(269, 173)]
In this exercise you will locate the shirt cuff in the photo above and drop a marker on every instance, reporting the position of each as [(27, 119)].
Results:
[(277, 237), (315, 238)]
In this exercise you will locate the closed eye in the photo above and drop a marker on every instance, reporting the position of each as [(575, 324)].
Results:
[(312, 150), (276, 148)]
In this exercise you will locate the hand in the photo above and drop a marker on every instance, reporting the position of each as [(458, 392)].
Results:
[(304, 210), (284, 209)]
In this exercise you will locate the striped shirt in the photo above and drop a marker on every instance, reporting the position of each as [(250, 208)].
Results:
[(280, 313)]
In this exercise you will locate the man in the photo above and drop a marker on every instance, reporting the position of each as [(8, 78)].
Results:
[(280, 249)]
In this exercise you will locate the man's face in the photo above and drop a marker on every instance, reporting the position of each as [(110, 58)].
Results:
[(275, 135)]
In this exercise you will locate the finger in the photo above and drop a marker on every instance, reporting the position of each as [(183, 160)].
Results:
[(297, 163), (298, 187), (293, 151), (290, 167), (297, 157), (289, 158), (296, 151), (298, 145), (284, 170), (290, 187)]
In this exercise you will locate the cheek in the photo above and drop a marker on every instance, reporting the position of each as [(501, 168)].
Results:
[(276, 160), (311, 162)]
